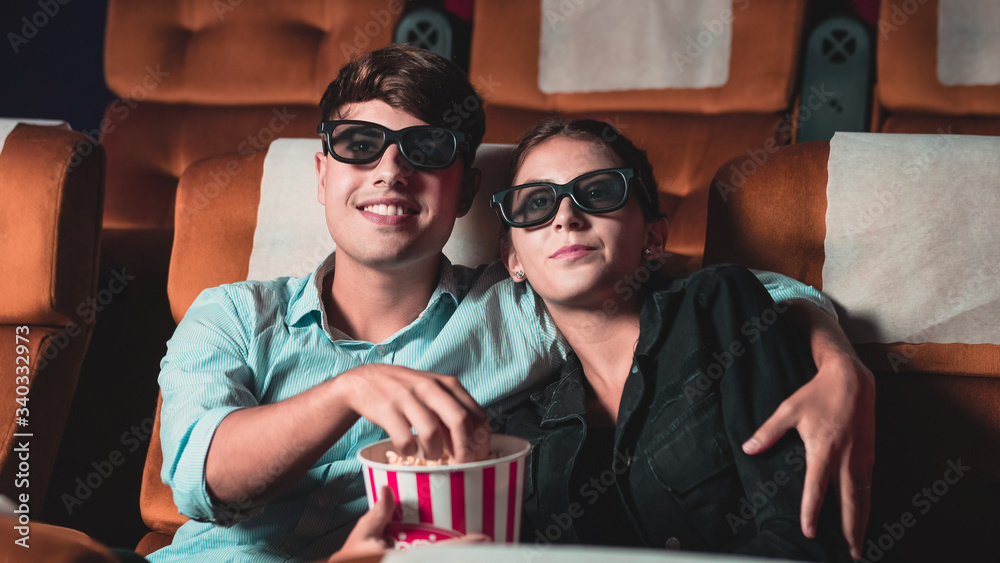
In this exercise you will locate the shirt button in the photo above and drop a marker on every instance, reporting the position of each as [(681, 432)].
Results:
[(322, 500), (673, 543), (380, 350), (635, 369)]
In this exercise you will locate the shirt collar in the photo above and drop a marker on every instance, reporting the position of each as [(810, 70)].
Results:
[(307, 299)]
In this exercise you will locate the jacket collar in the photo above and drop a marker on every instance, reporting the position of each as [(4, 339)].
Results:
[(564, 399)]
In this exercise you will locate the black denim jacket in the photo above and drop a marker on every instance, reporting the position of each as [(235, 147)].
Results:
[(715, 358)]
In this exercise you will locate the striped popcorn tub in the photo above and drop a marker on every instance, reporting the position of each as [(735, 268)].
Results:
[(449, 501)]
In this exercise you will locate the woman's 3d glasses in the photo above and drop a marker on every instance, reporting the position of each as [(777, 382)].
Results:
[(600, 191), (361, 142)]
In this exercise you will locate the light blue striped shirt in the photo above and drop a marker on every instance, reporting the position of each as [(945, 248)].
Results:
[(244, 344)]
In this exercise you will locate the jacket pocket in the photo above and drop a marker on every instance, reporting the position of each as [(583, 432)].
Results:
[(692, 450)]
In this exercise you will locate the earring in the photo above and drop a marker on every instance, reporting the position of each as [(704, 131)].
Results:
[(647, 252), (519, 274)]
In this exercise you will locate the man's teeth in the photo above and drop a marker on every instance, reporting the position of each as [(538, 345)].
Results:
[(386, 209)]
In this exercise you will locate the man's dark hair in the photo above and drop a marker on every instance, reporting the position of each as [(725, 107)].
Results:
[(417, 81)]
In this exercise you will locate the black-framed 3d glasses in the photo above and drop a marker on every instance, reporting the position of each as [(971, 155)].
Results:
[(361, 142), (600, 191)]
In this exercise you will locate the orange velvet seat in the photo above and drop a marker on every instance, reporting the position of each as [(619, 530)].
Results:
[(688, 132), (910, 96), (52, 187), (938, 405), (195, 79), (51, 543)]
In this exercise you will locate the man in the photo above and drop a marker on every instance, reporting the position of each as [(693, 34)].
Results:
[(271, 388)]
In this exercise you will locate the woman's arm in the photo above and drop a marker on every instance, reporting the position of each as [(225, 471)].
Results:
[(773, 364), (835, 416)]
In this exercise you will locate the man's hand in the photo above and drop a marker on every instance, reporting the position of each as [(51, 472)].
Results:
[(835, 416), (436, 406)]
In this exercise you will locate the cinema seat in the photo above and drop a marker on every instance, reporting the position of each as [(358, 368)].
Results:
[(215, 239), (938, 404), (688, 130), (194, 79), (52, 181), (931, 76)]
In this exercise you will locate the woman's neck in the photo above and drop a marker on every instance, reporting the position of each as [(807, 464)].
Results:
[(605, 344)]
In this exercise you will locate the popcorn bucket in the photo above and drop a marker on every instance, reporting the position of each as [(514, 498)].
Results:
[(449, 501)]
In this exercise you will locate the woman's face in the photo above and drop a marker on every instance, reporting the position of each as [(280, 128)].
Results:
[(577, 260)]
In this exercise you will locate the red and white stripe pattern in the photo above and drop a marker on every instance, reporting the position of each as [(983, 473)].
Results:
[(482, 499)]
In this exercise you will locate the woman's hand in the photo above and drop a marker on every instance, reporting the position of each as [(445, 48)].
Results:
[(368, 536), (835, 416), (368, 539)]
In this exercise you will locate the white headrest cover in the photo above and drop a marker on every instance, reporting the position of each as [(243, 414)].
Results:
[(911, 237), (292, 237), (8, 124), (651, 44), (968, 42)]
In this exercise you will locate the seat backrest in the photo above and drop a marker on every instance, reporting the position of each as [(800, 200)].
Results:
[(207, 78), (722, 84), (753, 46), (937, 405), (938, 58), (51, 179), (216, 227)]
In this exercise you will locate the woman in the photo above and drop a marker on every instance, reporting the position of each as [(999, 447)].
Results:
[(638, 442)]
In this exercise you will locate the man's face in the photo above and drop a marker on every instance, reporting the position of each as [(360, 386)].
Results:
[(385, 214)]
